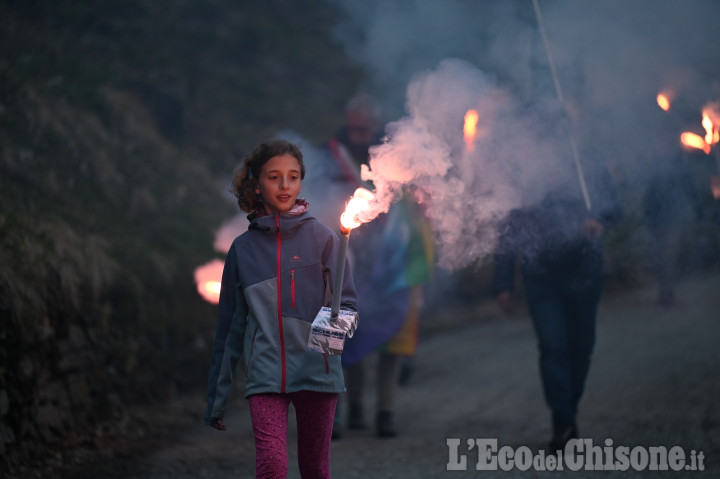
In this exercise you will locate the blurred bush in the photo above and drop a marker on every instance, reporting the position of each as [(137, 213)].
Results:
[(120, 124)]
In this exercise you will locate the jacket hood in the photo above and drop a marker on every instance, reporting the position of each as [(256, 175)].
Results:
[(289, 221)]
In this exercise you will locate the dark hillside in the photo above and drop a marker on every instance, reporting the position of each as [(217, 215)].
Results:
[(119, 123)]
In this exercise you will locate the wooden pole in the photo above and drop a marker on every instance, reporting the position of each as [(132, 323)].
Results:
[(558, 90), (339, 273)]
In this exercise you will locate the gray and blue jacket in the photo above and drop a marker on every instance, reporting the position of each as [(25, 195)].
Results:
[(277, 276)]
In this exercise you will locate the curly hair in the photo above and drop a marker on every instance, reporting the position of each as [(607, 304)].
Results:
[(245, 177)]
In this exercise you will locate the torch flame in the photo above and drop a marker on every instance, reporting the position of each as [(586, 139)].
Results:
[(212, 287), (712, 135), (663, 101), (359, 204), (207, 280), (470, 129), (695, 141)]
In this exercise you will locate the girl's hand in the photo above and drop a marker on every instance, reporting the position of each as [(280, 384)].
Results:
[(217, 424)]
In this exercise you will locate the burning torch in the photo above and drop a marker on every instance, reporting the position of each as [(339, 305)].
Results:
[(706, 143), (339, 270), (470, 129), (332, 325), (207, 279), (663, 101)]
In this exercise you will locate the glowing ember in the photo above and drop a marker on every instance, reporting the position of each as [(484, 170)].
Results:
[(207, 280), (663, 101), (695, 141), (470, 129), (357, 208)]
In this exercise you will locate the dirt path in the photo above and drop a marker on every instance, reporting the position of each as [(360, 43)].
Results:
[(654, 382)]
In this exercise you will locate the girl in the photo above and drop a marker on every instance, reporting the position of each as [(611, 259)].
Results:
[(277, 276)]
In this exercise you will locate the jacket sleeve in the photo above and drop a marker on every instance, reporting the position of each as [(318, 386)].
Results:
[(229, 339)]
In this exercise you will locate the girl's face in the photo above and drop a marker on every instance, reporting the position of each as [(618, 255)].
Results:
[(279, 183)]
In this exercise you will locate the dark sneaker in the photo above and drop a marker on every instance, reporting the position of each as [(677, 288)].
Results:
[(561, 435)]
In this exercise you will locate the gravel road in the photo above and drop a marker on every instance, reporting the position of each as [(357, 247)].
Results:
[(654, 382)]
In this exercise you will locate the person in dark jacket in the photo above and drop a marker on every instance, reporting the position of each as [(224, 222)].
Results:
[(275, 281), (559, 242)]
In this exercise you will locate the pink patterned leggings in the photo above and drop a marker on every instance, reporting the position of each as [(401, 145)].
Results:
[(314, 412)]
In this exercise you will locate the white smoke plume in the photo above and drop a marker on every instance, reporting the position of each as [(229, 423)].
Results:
[(612, 59), (464, 193)]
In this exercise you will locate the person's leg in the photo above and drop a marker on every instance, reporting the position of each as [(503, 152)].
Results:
[(269, 416), (387, 374), (545, 303), (405, 341), (388, 370), (662, 263), (355, 382), (407, 368), (581, 309), (337, 420), (314, 412)]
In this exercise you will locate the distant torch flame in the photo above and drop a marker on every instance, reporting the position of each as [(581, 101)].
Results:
[(207, 280), (694, 141), (663, 101), (712, 136), (357, 210), (470, 129)]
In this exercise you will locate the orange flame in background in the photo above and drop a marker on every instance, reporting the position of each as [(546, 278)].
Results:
[(712, 135), (663, 101), (694, 141), (470, 129), (207, 280), (357, 209)]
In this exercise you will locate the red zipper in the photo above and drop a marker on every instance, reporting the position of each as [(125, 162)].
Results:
[(292, 288), (327, 366), (279, 305)]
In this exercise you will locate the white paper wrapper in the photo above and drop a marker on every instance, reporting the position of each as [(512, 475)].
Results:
[(328, 336)]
